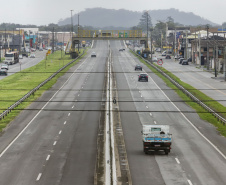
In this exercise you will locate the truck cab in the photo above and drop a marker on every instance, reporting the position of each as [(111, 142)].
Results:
[(156, 138)]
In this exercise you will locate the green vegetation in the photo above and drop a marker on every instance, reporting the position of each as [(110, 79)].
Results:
[(201, 111), (14, 87)]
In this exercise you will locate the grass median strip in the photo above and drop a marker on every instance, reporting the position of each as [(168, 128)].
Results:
[(216, 106), (15, 86)]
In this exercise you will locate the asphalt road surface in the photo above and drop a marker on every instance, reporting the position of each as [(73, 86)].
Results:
[(193, 160), (59, 147)]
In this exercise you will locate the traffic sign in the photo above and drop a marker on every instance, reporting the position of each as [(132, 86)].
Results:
[(160, 62)]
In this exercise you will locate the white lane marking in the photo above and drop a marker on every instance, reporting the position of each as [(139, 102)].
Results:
[(189, 182), (65, 122), (69, 114), (78, 94), (72, 106), (141, 96), (147, 107), (150, 114), (155, 122), (82, 87), (47, 158), (60, 132), (38, 112), (178, 162), (39, 177), (190, 122), (55, 142)]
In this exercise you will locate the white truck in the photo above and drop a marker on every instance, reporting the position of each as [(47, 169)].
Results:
[(156, 137), (11, 57)]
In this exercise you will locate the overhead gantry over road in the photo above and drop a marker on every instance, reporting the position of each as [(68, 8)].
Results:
[(103, 35)]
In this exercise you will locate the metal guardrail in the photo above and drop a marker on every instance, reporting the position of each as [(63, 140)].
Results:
[(6, 112), (219, 117)]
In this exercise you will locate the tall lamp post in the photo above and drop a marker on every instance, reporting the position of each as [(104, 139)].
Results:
[(78, 33), (71, 25), (0, 53)]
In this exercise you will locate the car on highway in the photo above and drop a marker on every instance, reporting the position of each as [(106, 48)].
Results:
[(180, 61), (5, 66), (32, 55), (20, 56), (164, 53), (184, 62), (40, 49), (121, 49), (143, 77), (190, 60), (93, 54), (168, 57), (33, 49), (138, 67), (3, 72)]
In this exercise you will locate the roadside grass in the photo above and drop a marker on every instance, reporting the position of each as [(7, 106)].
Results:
[(15, 86), (216, 106)]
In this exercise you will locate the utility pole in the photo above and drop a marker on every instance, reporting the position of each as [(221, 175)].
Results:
[(78, 33), (175, 42), (224, 63), (186, 46), (199, 49), (216, 61), (5, 41), (208, 62), (53, 41), (71, 26), (13, 40), (161, 40)]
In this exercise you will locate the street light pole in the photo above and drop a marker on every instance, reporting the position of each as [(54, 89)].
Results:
[(78, 33), (71, 25), (207, 60)]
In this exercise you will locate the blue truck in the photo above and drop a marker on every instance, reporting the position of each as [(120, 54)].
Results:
[(156, 138)]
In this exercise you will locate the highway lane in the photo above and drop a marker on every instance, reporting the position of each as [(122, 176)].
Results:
[(26, 63), (59, 147), (192, 159)]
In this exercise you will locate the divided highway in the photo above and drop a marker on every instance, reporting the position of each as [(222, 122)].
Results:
[(59, 144)]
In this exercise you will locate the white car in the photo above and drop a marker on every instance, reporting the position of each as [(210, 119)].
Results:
[(93, 54), (155, 59), (32, 55), (20, 56), (5, 66)]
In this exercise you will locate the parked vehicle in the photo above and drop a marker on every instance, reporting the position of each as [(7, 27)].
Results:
[(93, 54), (143, 77), (3, 72), (121, 49), (11, 57), (164, 53), (138, 67), (180, 61), (20, 56), (156, 138), (190, 60), (168, 57), (184, 62)]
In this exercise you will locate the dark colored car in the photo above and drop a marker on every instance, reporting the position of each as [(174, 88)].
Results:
[(3, 72), (121, 49), (138, 67), (168, 57), (184, 62), (190, 60), (181, 59), (143, 77)]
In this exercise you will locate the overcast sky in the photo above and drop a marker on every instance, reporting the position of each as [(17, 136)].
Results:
[(43, 12)]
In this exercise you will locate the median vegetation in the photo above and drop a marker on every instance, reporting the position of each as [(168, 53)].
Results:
[(15, 86), (203, 114)]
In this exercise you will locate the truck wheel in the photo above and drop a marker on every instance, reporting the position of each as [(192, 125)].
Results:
[(166, 152)]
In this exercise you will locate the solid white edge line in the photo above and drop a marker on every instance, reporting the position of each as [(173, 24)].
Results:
[(39, 177), (191, 122), (177, 160), (189, 182), (10, 144), (47, 158)]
